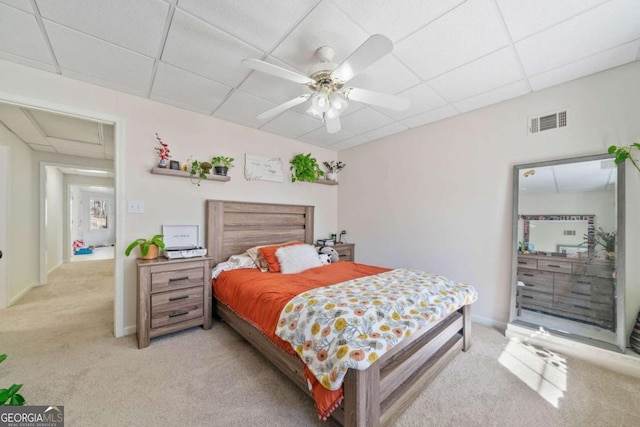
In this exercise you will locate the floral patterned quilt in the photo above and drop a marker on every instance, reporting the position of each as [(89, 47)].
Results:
[(351, 324)]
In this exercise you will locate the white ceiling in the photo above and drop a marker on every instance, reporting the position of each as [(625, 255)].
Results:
[(450, 56), (593, 175)]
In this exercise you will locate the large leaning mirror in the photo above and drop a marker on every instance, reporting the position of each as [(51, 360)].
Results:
[(568, 249)]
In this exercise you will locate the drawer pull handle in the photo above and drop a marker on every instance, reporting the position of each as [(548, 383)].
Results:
[(527, 274), (522, 262), (527, 296), (553, 265), (582, 293), (583, 282), (179, 298), (180, 313), (177, 279), (581, 306)]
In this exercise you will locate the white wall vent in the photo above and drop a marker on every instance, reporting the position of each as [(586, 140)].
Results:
[(569, 232), (547, 122)]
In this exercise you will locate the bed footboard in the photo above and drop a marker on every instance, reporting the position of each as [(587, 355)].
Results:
[(376, 396)]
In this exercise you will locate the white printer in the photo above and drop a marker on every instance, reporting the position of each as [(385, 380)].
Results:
[(181, 241)]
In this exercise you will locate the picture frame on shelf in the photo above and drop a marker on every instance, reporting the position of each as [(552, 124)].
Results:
[(174, 164)]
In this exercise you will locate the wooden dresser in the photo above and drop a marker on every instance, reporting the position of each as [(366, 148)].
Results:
[(346, 251), (576, 289), (172, 295)]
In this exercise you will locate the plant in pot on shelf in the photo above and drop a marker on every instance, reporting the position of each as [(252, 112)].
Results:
[(196, 171), (164, 153), (222, 164), (148, 247), (333, 168), (305, 168)]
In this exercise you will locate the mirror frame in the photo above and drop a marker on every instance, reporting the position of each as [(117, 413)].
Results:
[(620, 332)]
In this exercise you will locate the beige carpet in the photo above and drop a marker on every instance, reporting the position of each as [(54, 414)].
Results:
[(60, 345)]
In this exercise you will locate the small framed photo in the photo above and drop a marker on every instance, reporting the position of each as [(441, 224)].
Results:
[(174, 164)]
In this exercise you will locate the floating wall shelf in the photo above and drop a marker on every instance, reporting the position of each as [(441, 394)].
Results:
[(185, 174), (326, 182)]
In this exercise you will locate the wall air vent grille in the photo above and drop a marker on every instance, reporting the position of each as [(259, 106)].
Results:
[(569, 232), (548, 121)]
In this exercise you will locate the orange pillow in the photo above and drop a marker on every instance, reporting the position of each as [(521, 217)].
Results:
[(269, 254)]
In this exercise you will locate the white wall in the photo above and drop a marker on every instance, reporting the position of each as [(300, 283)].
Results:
[(439, 198), (22, 265), (54, 202), (171, 200)]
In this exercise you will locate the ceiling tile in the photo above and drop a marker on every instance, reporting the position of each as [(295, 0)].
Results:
[(392, 20), (137, 25), (387, 75), (179, 85), (66, 127), (326, 25), (261, 23), (466, 33), (322, 138), (430, 116), (244, 107), (76, 148), (141, 91), (604, 27), (387, 130), (83, 54), (45, 148), (422, 98), (236, 120), (492, 71), (15, 119), (348, 143), (202, 49), (493, 96), (32, 138), (21, 36), (19, 4), (593, 64), (526, 17), (28, 62), (272, 88), (292, 124), (364, 120)]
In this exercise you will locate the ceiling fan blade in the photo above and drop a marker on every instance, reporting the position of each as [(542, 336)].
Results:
[(374, 48), (384, 100), (274, 70), (279, 109), (333, 124)]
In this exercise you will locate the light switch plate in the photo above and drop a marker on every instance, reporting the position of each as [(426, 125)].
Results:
[(135, 206)]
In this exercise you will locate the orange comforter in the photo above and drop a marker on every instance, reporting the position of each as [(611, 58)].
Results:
[(260, 297)]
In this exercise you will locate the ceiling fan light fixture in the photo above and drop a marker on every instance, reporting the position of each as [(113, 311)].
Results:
[(321, 101), (338, 102)]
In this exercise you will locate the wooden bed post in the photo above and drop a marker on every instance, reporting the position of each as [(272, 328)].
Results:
[(466, 312), (365, 385)]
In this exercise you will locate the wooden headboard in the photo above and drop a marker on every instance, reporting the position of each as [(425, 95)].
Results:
[(234, 227)]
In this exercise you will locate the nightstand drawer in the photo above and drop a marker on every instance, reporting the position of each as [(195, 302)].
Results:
[(176, 279), (176, 306), (346, 251)]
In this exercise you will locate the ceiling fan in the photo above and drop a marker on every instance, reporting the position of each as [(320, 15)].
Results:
[(328, 83)]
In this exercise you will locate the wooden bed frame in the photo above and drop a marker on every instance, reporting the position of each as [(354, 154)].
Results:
[(375, 396)]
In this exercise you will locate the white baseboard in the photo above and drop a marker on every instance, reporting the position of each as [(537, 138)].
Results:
[(55, 266), (128, 330), (21, 294), (624, 363), (489, 322)]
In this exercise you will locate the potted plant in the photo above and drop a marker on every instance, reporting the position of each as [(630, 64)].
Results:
[(164, 153), (196, 171), (222, 164), (624, 152), (9, 396), (333, 168), (305, 168), (148, 247), (206, 167)]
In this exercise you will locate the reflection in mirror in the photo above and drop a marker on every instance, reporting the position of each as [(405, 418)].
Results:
[(566, 218)]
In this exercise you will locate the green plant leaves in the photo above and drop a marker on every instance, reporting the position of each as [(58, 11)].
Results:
[(305, 168)]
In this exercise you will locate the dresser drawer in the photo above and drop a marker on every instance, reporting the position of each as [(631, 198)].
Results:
[(585, 308), (554, 265), (595, 270), (533, 299), (345, 254), (177, 279), (583, 287), (524, 262), (536, 280), (176, 306)]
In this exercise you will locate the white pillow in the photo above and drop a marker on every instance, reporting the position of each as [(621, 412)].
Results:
[(297, 258)]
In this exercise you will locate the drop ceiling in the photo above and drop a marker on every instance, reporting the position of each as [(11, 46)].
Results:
[(594, 175), (449, 57)]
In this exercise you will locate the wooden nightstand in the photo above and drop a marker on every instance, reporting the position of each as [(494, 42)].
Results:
[(347, 251), (172, 295)]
